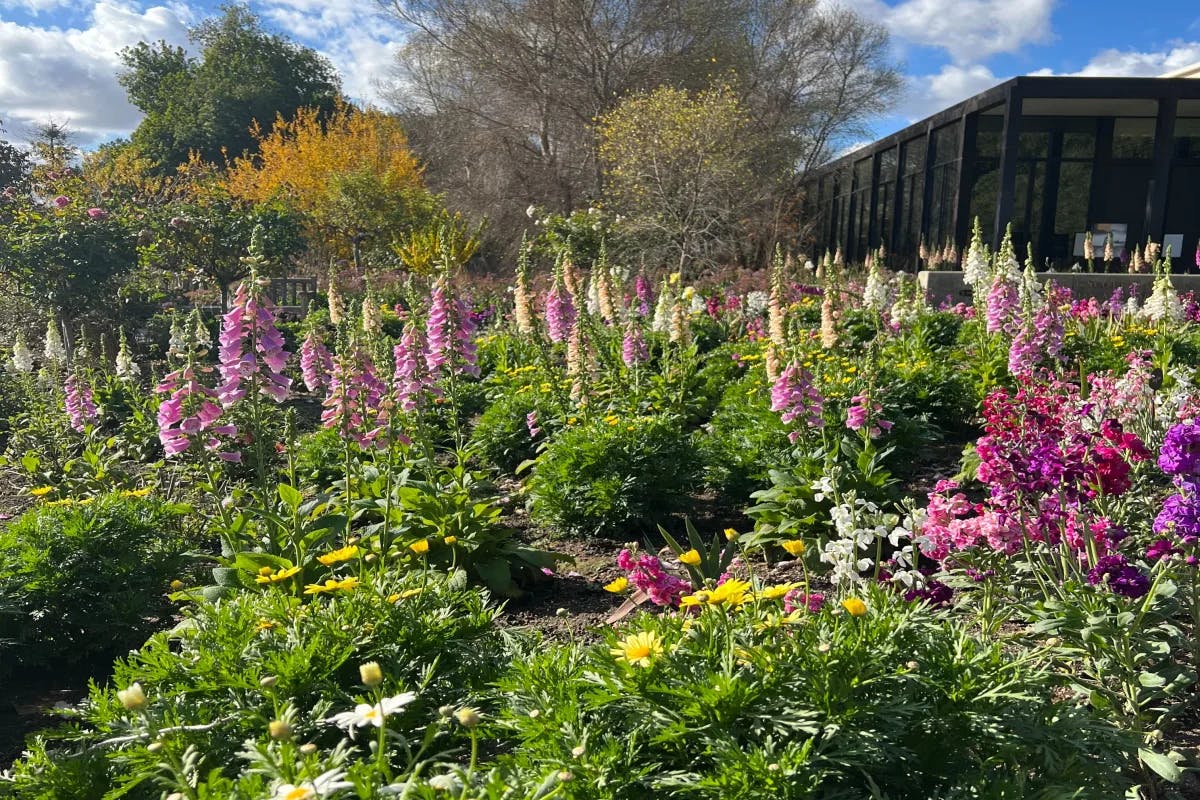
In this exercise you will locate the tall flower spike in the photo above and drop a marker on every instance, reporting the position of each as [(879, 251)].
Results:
[(54, 351), (125, 367), (337, 305), (796, 397), (662, 310), (522, 306), (81, 406), (22, 356), (252, 347), (643, 292), (633, 348), (189, 415), (316, 362), (975, 265), (412, 380), (777, 303), (560, 312)]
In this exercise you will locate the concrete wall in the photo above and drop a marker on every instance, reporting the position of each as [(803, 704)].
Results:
[(940, 285)]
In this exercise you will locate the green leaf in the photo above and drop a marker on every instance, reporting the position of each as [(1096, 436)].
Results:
[(1161, 764), (290, 495)]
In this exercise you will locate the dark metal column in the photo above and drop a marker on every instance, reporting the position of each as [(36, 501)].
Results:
[(873, 213), (1008, 163), (927, 187), (1164, 151), (966, 174)]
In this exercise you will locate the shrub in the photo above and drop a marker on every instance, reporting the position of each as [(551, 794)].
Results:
[(86, 580), (743, 442), (205, 679), (501, 436), (749, 703), (609, 476)]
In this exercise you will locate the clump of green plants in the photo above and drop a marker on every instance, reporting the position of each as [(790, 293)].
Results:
[(610, 476), (84, 580)]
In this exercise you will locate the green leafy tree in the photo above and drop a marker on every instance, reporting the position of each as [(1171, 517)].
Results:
[(14, 163), (207, 104)]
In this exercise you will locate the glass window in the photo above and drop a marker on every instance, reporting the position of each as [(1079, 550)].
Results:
[(945, 143), (1033, 144), (1079, 145), (1187, 137), (1133, 137), (1074, 191), (988, 136)]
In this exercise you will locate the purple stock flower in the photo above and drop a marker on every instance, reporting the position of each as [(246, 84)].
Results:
[(796, 599), (1180, 517), (1119, 576), (81, 406), (1180, 453)]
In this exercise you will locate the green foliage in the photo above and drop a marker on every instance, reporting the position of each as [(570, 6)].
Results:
[(228, 669), (742, 704), (602, 479), (501, 436), (207, 104), (86, 578), (743, 441)]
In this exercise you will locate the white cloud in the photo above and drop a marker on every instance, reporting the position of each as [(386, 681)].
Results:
[(1134, 63), (355, 35), (929, 94), (34, 6), (968, 30), (70, 74)]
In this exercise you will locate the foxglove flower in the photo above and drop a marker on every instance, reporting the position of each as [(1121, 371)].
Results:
[(81, 407), (355, 403), (560, 313), (190, 415), (22, 356), (316, 362), (54, 351), (642, 291), (662, 310), (412, 379), (864, 413), (125, 367), (633, 348), (796, 397), (252, 348), (531, 422)]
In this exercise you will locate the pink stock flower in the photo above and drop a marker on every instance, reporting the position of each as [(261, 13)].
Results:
[(80, 404), (97, 213), (62, 201), (646, 573)]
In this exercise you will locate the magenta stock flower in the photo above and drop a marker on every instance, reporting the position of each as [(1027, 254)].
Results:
[(62, 201), (560, 313), (797, 600), (97, 213), (251, 349), (795, 395), (646, 573), (316, 362), (189, 415), (80, 404)]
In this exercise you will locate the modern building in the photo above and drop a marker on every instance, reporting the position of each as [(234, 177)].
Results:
[(1054, 156)]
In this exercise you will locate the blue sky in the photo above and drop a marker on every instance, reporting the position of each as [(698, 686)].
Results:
[(58, 57)]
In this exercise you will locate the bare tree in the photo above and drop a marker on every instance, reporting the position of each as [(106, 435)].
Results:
[(501, 96)]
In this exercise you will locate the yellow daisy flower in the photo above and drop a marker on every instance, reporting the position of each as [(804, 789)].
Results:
[(638, 649), (271, 576), (794, 547), (331, 585), (691, 558), (617, 586), (854, 607), (420, 547), (337, 556)]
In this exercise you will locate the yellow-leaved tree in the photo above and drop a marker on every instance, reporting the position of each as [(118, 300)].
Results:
[(350, 174), (677, 168)]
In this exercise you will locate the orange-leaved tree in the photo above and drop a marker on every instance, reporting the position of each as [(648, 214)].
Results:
[(350, 174)]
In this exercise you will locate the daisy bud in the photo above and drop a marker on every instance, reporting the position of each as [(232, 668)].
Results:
[(268, 681), (371, 674), (279, 730), (308, 749), (468, 717), (154, 747), (132, 698)]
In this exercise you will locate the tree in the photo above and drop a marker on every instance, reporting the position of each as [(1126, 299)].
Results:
[(678, 166), (501, 96), (208, 105), (351, 175)]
